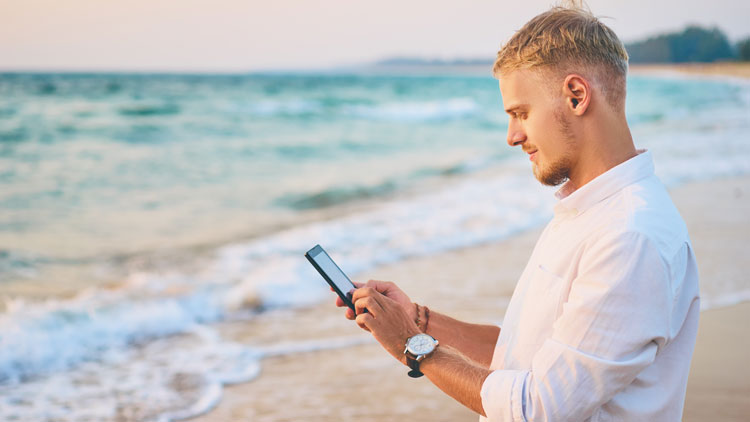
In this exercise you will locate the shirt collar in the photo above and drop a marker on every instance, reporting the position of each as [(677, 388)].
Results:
[(575, 201)]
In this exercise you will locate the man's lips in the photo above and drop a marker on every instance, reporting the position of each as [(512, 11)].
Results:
[(532, 154)]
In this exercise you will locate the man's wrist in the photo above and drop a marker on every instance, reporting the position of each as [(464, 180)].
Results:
[(418, 348), (426, 364), (401, 356), (422, 317)]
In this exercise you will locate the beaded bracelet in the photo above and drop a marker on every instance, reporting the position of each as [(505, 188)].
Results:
[(418, 320)]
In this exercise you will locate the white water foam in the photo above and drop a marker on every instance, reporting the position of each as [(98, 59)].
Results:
[(406, 111), (56, 335), (724, 300), (417, 111), (165, 380)]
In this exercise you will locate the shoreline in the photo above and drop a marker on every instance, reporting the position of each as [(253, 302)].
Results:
[(312, 381), (738, 70)]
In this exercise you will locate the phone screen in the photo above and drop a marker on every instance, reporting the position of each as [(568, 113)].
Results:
[(329, 268)]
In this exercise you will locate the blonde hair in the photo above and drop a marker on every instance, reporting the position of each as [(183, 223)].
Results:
[(569, 39)]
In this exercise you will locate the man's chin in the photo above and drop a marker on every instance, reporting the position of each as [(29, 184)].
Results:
[(538, 174), (550, 178)]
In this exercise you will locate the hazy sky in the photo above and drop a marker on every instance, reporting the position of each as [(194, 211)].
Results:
[(236, 35)]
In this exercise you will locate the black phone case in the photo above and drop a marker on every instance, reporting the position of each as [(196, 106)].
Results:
[(342, 295)]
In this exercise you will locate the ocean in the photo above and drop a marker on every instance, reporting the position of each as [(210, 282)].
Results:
[(138, 211)]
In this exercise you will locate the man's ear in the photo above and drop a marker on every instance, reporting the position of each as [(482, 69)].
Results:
[(577, 94)]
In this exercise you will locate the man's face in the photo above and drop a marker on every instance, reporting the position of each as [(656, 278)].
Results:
[(537, 123)]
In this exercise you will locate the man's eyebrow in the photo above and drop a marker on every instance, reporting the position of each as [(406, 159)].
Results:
[(515, 107)]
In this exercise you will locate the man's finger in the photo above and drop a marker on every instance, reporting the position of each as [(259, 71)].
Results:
[(362, 292), (364, 320), (369, 292), (384, 287), (368, 304), (340, 302), (376, 284), (350, 314)]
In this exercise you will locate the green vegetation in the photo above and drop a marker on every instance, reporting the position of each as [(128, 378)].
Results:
[(694, 44), (743, 50)]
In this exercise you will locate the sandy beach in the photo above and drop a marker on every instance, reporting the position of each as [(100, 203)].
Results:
[(363, 383)]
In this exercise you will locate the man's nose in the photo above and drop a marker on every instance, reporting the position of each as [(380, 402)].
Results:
[(515, 134)]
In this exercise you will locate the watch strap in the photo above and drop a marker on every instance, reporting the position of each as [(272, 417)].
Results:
[(414, 365)]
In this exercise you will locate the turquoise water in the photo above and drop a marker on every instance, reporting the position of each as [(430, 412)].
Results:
[(97, 168), (137, 207)]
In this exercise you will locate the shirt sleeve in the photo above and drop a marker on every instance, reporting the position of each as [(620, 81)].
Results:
[(614, 321)]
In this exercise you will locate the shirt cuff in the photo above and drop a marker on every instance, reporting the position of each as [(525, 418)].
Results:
[(502, 395)]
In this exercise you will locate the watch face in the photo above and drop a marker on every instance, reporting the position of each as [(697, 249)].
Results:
[(421, 344)]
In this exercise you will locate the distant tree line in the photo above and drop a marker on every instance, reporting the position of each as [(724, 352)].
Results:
[(743, 50), (693, 44)]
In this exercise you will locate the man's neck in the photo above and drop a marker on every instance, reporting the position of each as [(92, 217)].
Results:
[(607, 143)]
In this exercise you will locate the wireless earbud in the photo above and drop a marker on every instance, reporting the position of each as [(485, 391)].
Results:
[(575, 102)]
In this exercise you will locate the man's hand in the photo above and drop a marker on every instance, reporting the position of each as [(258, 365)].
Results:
[(390, 319), (390, 290), (385, 318)]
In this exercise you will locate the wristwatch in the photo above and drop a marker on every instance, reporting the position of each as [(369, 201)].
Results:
[(418, 347)]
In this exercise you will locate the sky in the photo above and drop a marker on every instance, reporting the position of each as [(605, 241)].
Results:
[(237, 35)]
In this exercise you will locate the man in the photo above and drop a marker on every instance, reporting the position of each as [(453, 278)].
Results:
[(602, 323)]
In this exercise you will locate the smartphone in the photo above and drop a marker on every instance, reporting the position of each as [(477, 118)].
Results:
[(331, 273)]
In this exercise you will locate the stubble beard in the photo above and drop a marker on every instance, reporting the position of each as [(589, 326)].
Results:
[(553, 174), (557, 172)]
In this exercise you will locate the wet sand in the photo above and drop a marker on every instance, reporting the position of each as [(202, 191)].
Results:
[(364, 383)]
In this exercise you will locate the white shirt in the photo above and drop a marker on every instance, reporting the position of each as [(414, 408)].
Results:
[(602, 323)]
